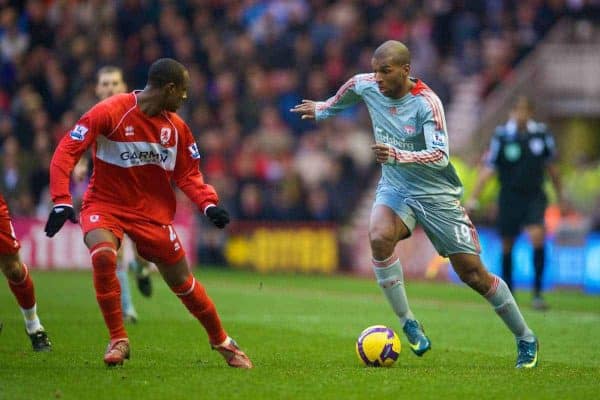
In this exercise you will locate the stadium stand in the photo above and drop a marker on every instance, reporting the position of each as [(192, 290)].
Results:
[(249, 62)]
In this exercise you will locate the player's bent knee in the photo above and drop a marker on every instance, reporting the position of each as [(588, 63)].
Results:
[(382, 242), (104, 260), (104, 256), (13, 270)]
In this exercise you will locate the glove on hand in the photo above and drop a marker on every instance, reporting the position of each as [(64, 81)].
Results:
[(217, 216), (57, 218)]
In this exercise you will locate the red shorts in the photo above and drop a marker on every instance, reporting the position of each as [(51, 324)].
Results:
[(9, 244), (155, 242)]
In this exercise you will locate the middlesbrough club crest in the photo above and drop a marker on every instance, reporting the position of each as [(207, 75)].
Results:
[(165, 135)]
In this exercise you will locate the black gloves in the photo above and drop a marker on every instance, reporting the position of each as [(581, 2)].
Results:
[(57, 218), (217, 216)]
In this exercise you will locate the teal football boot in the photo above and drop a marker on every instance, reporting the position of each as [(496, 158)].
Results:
[(527, 354), (418, 342)]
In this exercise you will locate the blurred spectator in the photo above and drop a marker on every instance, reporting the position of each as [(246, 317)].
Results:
[(14, 172), (251, 204), (249, 62), (318, 204), (13, 42)]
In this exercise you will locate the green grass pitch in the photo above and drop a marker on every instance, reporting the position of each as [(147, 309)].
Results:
[(300, 333)]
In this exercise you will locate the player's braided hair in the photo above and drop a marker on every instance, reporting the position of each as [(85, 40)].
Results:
[(164, 71)]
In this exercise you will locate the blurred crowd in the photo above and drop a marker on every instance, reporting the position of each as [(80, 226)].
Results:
[(250, 62)]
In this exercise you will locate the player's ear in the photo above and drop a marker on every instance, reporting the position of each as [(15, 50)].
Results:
[(170, 88), (406, 68)]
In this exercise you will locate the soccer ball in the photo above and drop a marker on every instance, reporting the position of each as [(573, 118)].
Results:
[(378, 346)]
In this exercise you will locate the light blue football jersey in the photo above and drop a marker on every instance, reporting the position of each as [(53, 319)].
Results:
[(415, 125)]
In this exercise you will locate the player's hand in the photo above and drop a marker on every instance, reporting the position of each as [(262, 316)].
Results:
[(564, 206), (217, 216), (57, 218), (384, 153), (307, 109)]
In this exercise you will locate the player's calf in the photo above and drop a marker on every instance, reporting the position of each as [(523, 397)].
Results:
[(142, 276)]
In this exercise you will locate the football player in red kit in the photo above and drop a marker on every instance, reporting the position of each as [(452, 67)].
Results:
[(19, 281), (139, 146)]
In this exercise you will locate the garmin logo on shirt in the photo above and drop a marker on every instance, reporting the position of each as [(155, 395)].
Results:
[(145, 157), (135, 154), (79, 132)]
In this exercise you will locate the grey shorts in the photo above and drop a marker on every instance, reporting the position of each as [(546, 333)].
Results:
[(445, 222)]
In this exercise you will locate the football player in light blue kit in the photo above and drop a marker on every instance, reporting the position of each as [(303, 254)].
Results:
[(418, 185)]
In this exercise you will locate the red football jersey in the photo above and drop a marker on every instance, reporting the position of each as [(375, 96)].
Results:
[(3, 208), (135, 156)]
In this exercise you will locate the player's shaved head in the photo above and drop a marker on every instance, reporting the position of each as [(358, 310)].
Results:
[(523, 102), (394, 51), (522, 110), (164, 71)]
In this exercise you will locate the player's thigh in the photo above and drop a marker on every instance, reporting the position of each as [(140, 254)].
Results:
[(448, 227), (390, 217), (99, 225), (385, 224), (512, 210), (156, 243), (174, 274)]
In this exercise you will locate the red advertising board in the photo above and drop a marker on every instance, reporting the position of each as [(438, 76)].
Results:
[(66, 250)]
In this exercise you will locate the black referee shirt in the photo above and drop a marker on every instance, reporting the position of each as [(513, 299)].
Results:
[(520, 158)]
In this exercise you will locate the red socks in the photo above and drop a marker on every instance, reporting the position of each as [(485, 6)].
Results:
[(108, 290), (108, 294), (194, 297), (23, 290)]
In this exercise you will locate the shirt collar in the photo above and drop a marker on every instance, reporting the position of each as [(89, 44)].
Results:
[(511, 127)]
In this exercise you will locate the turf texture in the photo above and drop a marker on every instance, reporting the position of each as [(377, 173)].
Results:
[(300, 333)]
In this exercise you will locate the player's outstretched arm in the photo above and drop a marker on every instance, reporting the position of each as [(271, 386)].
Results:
[(306, 109), (67, 154), (554, 174), (346, 96), (484, 174)]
